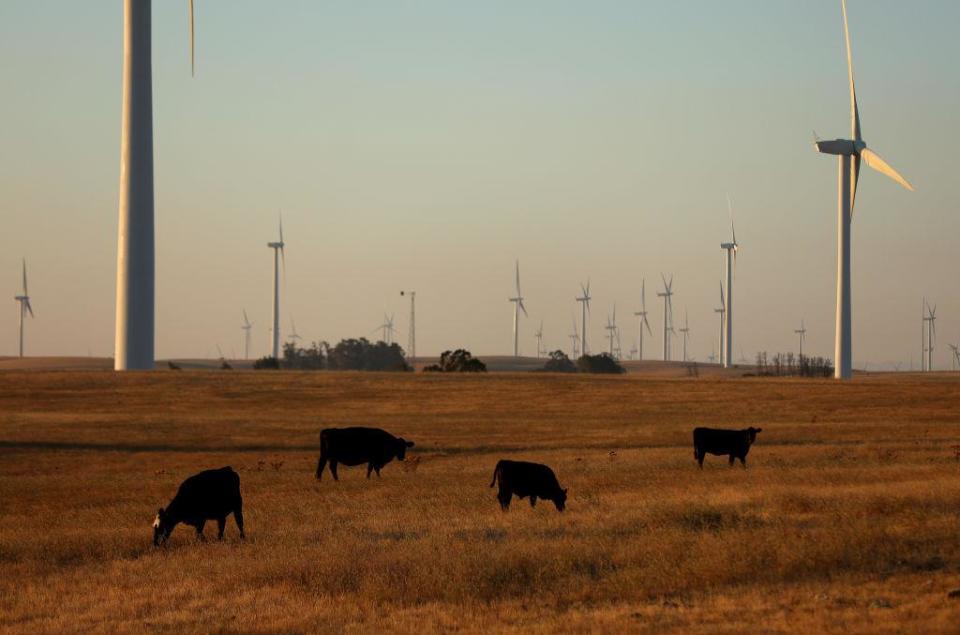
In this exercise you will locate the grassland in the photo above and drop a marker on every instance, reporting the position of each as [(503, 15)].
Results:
[(846, 520)]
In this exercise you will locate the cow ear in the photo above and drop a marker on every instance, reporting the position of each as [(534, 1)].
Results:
[(564, 492), (410, 444)]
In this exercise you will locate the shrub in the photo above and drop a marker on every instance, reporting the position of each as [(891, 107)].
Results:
[(603, 363), (458, 361), (266, 363), (559, 363)]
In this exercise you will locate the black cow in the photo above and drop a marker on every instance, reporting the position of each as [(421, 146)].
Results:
[(523, 479), (209, 495), (735, 443), (356, 446)]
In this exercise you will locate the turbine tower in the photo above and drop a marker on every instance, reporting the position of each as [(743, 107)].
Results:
[(686, 334), (611, 329), (245, 327), (802, 332), (24, 300), (412, 334), (931, 334), (134, 336), (731, 249), (642, 319), (539, 336), (584, 301), (923, 336), (955, 360), (294, 336), (517, 307), (388, 329), (722, 312), (575, 340), (278, 254), (667, 315), (849, 152)]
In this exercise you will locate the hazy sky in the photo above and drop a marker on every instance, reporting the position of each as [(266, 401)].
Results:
[(426, 145)]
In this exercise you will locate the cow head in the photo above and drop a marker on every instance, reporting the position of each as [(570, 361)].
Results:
[(402, 445), (752, 434), (161, 527), (561, 500)]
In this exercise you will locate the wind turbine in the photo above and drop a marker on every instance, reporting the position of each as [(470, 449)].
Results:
[(278, 254), (575, 340), (955, 360), (667, 315), (247, 325), (584, 301), (731, 249), (294, 336), (539, 336), (722, 312), (611, 329), (850, 153), (24, 300), (135, 317), (802, 332), (388, 329), (686, 334), (642, 319), (517, 307), (931, 334), (412, 333)]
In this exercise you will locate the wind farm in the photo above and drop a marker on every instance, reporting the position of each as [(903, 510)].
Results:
[(371, 442)]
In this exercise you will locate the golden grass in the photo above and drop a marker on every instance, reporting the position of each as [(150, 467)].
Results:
[(846, 520)]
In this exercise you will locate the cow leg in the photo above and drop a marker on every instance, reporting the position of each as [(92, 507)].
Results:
[(533, 501), (700, 456), (200, 527), (322, 463), (333, 470), (504, 496), (743, 462), (370, 469), (221, 525), (238, 517), (732, 459), (376, 468)]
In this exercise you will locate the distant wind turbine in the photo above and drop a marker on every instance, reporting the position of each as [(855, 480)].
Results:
[(135, 317), (245, 327), (686, 334), (278, 254), (412, 333), (294, 336), (642, 319), (575, 340), (24, 300), (931, 334), (802, 332), (584, 301), (667, 315), (731, 249), (850, 153), (517, 307), (611, 329), (539, 336), (721, 311), (955, 360)]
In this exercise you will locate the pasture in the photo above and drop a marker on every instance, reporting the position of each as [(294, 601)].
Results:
[(847, 518)]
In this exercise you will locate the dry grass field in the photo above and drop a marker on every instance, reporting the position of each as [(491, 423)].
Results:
[(847, 518)]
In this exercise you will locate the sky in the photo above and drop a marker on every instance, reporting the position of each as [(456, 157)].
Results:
[(428, 145)]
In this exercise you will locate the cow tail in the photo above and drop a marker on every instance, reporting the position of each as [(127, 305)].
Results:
[(496, 473)]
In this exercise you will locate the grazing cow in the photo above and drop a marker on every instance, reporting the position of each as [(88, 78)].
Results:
[(523, 479), (209, 495), (356, 446), (735, 443)]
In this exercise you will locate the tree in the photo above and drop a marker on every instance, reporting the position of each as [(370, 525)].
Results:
[(559, 363), (267, 363), (603, 363), (458, 361)]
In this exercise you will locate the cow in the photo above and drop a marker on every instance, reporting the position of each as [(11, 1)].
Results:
[(735, 443), (522, 478), (356, 446), (209, 495)]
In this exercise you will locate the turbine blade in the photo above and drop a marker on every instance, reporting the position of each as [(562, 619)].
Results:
[(30, 308), (281, 228), (25, 277), (518, 279), (523, 308), (873, 159), (854, 109), (647, 324), (853, 185), (192, 46)]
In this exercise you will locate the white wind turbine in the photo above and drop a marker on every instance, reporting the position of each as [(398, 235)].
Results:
[(584, 301), (802, 332), (245, 327), (667, 315), (517, 307), (611, 329), (278, 255), (539, 336), (686, 334), (294, 336), (642, 319), (135, 317), (931, 334), (575, 340), (24, 301), (955, 360), (850, 153), (721, 311), (731, 249), (388, 329)]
